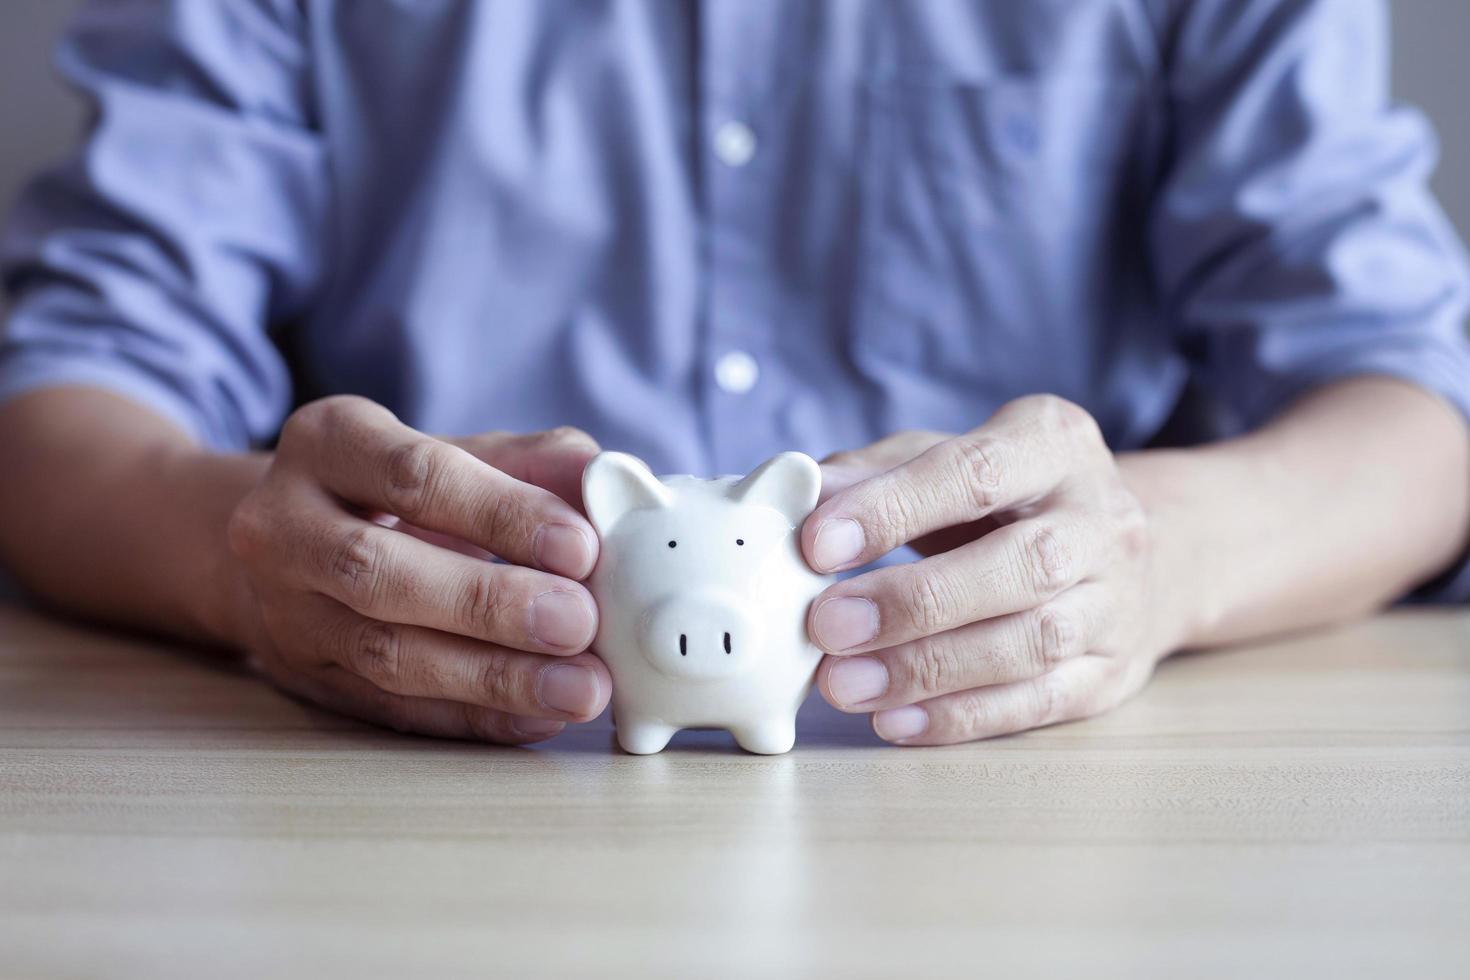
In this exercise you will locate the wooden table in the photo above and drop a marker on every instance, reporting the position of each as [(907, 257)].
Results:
[(1295, 809)]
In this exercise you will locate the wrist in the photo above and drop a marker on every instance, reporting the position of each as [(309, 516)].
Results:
[(1186, 601), (216, 601)]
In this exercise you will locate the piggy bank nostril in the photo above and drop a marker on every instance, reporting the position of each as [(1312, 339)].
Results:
[(703, 633)]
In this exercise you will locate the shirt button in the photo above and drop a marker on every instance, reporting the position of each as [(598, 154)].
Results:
[(734, 144), (737, 372)]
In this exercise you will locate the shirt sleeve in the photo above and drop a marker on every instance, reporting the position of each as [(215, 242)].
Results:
[(153, 261), (1294, 236)]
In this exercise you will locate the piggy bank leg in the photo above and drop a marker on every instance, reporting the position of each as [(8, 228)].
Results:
[(643, 736), (771, 736)]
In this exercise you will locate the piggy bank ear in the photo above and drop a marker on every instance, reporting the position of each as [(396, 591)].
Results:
[(615, 483), (789, 482)]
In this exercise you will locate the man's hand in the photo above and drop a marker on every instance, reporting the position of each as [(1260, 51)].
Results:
[(358, 604), (1034, 605)]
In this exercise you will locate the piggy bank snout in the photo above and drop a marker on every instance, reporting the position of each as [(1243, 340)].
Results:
[(701, 635)]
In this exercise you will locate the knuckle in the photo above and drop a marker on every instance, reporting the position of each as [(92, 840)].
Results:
[(316, 420), (500, 684), (481, 604), (302, 427), (1057, 414), (1078, 424), (978, 459), (413, 471), (1133, 527), (891, 513), (506, 521), (378, 655), (1053, 638), (246, 531), (967, 715), (1047, 562), (326, 414), (1041, 407), (339, 410), (356, 566), (936, 668), (928, 605)]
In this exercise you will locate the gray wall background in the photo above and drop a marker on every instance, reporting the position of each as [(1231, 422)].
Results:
[(39, 119)]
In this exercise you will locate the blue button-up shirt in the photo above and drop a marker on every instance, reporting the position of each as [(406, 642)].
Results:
[(706, 232)]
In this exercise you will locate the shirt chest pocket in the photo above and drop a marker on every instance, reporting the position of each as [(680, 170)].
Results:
[(988, 207)]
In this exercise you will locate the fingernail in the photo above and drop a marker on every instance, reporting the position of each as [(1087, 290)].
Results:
[(857, 679), (838, 542), (845, 622), (563, 549), (561, 619), (897, 724), (567, 687), (536, 727)]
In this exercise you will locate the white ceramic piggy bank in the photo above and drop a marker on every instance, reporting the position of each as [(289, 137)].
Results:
[(702, 599)]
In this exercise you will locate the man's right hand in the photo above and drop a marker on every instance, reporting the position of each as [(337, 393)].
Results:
[(354, 606)]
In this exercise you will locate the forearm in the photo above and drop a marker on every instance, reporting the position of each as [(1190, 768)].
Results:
[(112, 512), (1345, 501)]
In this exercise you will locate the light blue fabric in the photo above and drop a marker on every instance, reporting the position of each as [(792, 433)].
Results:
[(517, 214)]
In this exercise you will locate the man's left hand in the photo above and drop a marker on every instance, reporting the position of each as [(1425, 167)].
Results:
[(1034, 603)]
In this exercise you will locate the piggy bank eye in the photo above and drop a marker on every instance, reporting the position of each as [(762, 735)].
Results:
[(739, 540), (673, 544)]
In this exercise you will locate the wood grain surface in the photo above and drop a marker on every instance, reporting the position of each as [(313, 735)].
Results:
[(1300, 808)]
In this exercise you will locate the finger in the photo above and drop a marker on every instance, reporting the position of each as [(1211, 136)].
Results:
[(1022, 454), (841, 470), (447, 541), (346, 693), (994, 651), (1008, 570), (361, 453), (553, 459), (386, 575), (1080, 688), (418, 662)]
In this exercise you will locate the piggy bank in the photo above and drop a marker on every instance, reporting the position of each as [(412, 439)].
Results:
[(702, 597)]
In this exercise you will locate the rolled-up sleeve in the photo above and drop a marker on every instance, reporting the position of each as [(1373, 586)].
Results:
[(154, 261), (1295, 238)]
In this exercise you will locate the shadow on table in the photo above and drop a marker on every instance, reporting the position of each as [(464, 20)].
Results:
[(818, 726)]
